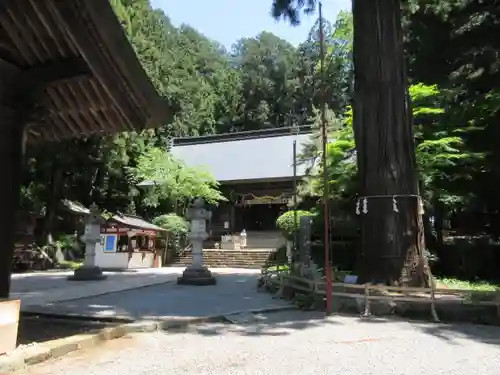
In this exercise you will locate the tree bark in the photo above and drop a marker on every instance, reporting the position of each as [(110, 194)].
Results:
[(392, 242), (11, 152)]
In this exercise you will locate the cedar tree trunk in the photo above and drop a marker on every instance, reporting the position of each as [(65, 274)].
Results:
[(392, 242)]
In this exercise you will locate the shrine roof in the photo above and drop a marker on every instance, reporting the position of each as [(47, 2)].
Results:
[(75, 207), (245, 156), (72, 60), (130, 220), (136, 222)]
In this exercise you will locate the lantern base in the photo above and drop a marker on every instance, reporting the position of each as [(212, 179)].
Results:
[(86, 273), (197, 276)]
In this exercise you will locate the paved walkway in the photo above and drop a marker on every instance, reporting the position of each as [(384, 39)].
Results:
[(235, 291), (40, 288), (294, 343)]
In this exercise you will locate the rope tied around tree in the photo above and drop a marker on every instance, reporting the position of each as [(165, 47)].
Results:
[(362, 203)]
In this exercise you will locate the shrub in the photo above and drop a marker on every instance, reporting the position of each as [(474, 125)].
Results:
[(277, 257), (177, 228), (286, 224), (172, 223)]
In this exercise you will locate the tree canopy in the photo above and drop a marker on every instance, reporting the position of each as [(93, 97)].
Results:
[(266, 82)]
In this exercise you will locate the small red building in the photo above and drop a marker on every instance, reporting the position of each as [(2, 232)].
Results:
[(129, 242)]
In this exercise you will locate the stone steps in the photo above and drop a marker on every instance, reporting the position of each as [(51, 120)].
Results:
[(227, 258)]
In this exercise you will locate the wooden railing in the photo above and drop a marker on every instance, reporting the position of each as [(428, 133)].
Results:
[(431, 296)]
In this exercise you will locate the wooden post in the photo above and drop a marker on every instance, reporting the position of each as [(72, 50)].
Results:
[(433, 302), (11, 156)]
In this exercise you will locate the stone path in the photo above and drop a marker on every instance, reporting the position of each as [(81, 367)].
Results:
[(40, 288), (294, 343), (235, 291)]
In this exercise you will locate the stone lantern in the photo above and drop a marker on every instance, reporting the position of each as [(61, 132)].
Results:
[(197, 273), (91, 237)]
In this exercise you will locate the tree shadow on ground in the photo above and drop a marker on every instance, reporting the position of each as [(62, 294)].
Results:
[(266, 324), (461, 321), (451, 332)]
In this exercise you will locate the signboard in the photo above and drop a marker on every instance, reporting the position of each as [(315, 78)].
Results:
[(267, 200), (350, 279), (110, 244)]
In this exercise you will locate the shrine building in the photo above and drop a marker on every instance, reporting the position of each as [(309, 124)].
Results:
[(255, 172)]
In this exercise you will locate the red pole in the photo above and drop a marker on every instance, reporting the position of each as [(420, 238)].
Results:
[(328, 268)]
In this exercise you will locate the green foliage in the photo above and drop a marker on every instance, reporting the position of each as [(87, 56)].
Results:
[(340, 154), (172, 223), (283, 267), (438, 149), (67, 241), (457, 39), (69, 265), (467, 285), (287, 224), (290, 9), (173, 180), (278, 257), (263, 82), (177, 229)]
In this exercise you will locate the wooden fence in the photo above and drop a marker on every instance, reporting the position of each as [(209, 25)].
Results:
[(431, 296)]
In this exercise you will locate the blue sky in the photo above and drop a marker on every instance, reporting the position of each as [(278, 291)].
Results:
[(226, 21)]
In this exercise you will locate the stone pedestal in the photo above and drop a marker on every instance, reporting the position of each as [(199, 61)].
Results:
[(197, 273), (92, 236), (85, 273), (197, 276)]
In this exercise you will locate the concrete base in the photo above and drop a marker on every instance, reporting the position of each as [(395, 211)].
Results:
[(87, 274), (197, 276)]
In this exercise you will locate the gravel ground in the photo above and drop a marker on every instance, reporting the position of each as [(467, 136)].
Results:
[(294, 343)]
